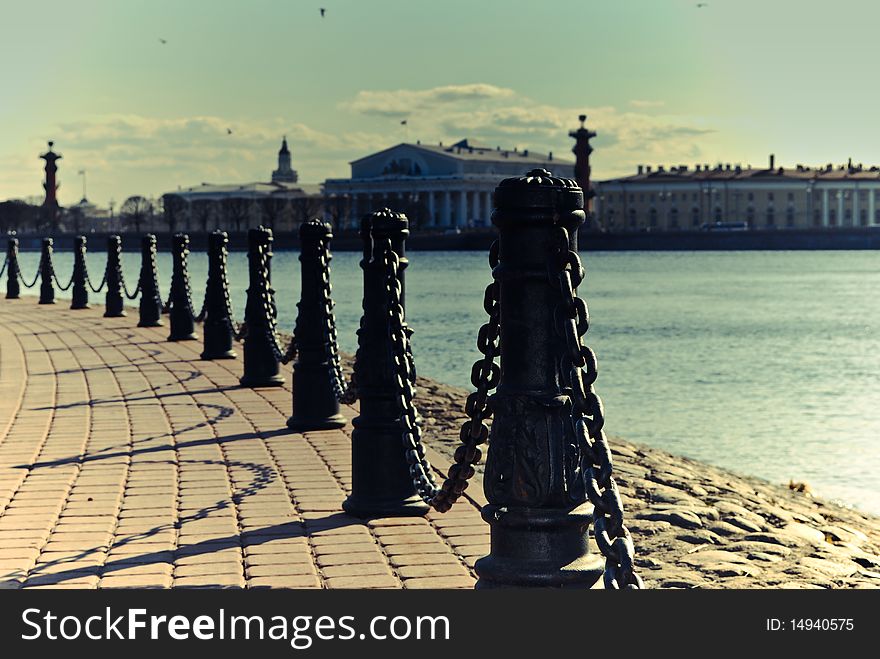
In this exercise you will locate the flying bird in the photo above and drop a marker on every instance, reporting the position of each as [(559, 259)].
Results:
[(700, 5), (322, 12), (161, 40), (229, 131)]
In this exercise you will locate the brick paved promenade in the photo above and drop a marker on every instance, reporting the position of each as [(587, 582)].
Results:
[(125, 461)]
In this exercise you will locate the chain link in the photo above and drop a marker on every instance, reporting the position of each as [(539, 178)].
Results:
[(346, 392), (58, 283), (36, 277), (579, 371), (270, 313), (89, 281), (5, 263), (484, 375)]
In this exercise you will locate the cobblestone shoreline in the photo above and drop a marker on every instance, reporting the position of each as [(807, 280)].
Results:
[(699, 526)]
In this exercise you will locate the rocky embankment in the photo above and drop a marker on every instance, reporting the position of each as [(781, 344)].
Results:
[(698, 526)]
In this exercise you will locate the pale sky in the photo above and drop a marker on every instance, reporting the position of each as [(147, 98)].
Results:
[(663, 82)]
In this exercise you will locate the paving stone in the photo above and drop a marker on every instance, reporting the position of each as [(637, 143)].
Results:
[(365, 581)]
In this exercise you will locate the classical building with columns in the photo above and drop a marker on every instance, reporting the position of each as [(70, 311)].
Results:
[(281, 203), (724, 196), (444, 187)]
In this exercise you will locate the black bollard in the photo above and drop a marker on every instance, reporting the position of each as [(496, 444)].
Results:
[(114, 306), (150, 307), (536, 470), (218, 328), (381, 482), (262, 363), (79, 297), (47, 288), (13, 272), (315, 406), (180, 311)]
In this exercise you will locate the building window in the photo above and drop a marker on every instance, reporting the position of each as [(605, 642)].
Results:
[(750, 216), (863, 196), (789, 217), (672, 196), (847, 215), (695, 197), (632, 218), (695, 216), (611, 218), (652, 199), (673, 218), (832, 217), (863, 217), (751, 196), (791, 196), (652, 215), (769, 196), (718, 213), (641, 197), (771, 217), (817, 218), (877, 216), (632, 198)]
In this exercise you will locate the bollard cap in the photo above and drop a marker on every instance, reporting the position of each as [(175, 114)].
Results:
[(148, 239), (539, 189), (315, 228), (384, 222), (218, 238)]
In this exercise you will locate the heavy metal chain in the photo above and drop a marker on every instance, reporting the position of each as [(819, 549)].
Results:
[(58, 283), (346, 392), (579, 370), (89, 281), (474, 432), (239, 332), (137, 289), (36, 277), (270, 313)]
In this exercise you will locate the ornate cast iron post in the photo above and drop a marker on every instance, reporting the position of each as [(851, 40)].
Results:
[(381, 482), (315, 406), (79, 298), (150, 307), (114, 305), (180, 311), (13, 272), (534, 480), (218, 326), (47, 289), (262, 363)]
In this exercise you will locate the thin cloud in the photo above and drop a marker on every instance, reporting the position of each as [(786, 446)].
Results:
[(403, 102), (644, 105)]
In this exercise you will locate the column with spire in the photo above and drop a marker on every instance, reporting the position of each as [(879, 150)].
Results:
[(582, 151), (50, 205)]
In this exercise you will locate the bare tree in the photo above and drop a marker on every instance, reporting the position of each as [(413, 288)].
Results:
[(237, 209), (306, 208), (202, 210), (271, 210), (17, 215), (173, 209), (134, 210)]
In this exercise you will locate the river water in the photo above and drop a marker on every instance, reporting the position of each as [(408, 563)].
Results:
[(767, 363)]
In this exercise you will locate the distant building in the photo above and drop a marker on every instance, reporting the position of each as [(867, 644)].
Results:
[(680, 198), (284, 173), (436, 186), (281, 203)]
